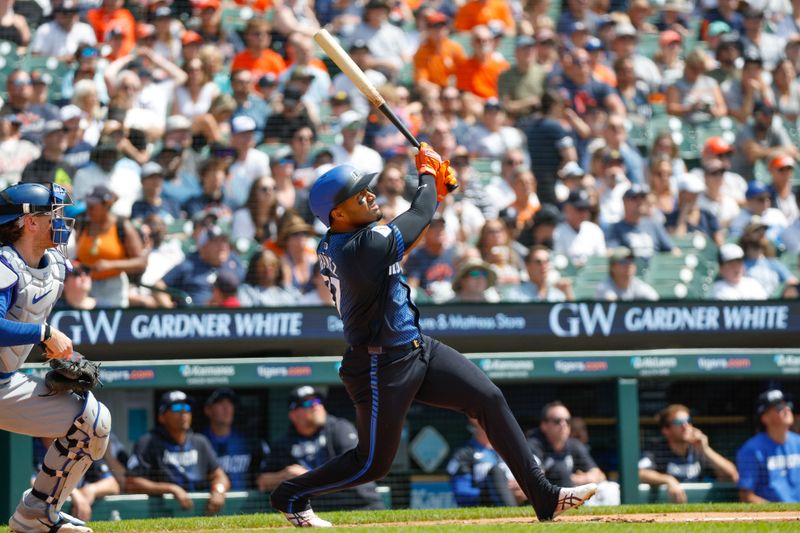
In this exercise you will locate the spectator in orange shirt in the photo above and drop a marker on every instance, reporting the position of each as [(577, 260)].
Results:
[(438, 57), (259, 6), (479, 73), (258, 58), (110, 15), (482, 12)]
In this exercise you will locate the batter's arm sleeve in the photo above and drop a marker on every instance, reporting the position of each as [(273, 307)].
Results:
[(412, 222)]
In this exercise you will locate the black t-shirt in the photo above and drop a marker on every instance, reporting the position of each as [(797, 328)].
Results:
[(559, 466), (159, 458), (661, 458), (336, 437), (546, 138)]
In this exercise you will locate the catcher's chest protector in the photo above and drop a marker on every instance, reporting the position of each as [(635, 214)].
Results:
[(36, 293)]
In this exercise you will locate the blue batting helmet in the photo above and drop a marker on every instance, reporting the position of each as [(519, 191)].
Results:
[(334, 187)]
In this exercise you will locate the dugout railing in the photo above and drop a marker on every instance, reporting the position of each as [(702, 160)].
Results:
[(616, 392)]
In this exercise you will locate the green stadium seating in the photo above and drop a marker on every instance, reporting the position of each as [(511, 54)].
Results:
[(235, 18)]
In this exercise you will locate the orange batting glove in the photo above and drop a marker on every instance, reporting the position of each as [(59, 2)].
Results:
[(427, 160), (446, 181)]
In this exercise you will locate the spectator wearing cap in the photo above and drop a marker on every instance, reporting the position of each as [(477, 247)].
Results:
[(727, 55), (314, 437), (599, 61), (40, 100), (674, 15), (303, 155), (768, 45), (769, 462), (360, 54), (438, 57), (668, 57), (78, 150), (224, 291), (636, 230), (759, 203), (475, 282), (62, 36), (786, 88), (520, 88), (571, 178), (352, 151), (733, 283), (77, 289), (213, 177), (211, 30), (15, 152), (577, 237), (718, 148), (584, 91), (292, 116), (480, 72), (624, 44), (111, 247), (760, 262), (762, 139), (179, 161), (543, 285), (248, 103), (726, 11), (249, 165), (153, 201), (622, 283), (257, 57), (716, 199), (682, 454), (784, 195), (492, 136), (50, 166), (110, 15), (576, 11), (481, 12), (166, 41), (386, 42), (304, 65), (299, 257), (688, 217), (197, 273), (172, 459), (550, 144), (696, 96), (430, 266), (743, 92)]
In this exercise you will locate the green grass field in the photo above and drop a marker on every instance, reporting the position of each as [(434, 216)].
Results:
[(505, 519)]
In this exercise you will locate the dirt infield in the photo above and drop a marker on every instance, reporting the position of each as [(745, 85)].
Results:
[(777, 516)]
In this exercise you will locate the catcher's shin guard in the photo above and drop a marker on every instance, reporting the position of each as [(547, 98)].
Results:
[(69, 457)]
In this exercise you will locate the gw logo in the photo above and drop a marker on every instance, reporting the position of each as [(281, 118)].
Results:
[(571, 320)]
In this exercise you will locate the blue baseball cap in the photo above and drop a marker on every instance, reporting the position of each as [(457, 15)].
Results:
[(334, 187), (755, 188)]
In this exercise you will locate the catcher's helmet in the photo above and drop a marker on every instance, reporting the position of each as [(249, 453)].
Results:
[(25, 198)]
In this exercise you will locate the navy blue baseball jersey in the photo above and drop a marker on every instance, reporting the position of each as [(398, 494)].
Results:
[(692, 467), (362, 270), (159, 458), (237, 456)]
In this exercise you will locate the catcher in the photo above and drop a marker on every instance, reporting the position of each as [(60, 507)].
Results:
[(33, 237)]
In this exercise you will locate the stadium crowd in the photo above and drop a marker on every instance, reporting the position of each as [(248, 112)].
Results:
[(610, 150)]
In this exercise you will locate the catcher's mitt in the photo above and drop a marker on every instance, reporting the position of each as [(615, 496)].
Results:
[(75, 373)]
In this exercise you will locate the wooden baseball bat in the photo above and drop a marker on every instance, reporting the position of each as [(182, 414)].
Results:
[(335, 51)]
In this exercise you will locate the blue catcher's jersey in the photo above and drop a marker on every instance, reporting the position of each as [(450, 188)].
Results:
[(362, 270)]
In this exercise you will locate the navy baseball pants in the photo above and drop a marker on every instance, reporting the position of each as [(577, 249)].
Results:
[(382, 387)]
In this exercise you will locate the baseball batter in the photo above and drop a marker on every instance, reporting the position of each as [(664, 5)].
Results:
[(32, 269), (390, 363)]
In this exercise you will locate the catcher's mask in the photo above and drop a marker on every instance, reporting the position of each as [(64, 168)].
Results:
[(36, 198)]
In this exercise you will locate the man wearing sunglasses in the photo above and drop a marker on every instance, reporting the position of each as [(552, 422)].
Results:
[(682, 456), (313, 438), (172, 459)]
